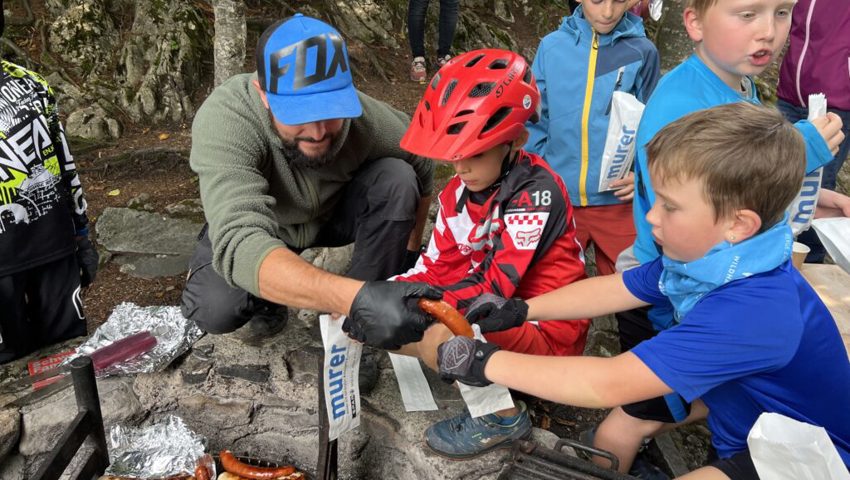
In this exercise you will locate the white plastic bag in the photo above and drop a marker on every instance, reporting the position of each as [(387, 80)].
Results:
[(340, 375), (802, 209), (655, 9), (786, 449), (619, 152), (834, 233)]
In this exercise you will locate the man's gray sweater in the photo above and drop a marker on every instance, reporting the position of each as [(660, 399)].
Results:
[(254, 199)]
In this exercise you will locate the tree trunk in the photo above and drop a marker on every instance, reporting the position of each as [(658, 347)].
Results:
[(229, 43)]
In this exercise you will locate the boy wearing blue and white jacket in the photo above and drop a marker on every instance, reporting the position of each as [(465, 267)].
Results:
[(599, 49), (752, 336)]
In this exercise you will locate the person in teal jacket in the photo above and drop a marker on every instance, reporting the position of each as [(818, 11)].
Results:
[(599, 49)]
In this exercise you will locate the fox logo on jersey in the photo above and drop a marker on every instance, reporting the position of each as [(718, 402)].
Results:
[(524, 239)]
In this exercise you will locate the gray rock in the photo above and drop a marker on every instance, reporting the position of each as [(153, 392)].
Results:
[(153, 266), (304, 364), (197, 366), (13, 468), (10, 430), (216, 411), (45, 421), (190, 207), (251, 373), (334, 260), (140, 202), (92, 123), (131, 231)]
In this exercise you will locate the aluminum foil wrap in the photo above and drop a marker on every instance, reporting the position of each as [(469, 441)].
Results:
[(156, 451), (174, 335)]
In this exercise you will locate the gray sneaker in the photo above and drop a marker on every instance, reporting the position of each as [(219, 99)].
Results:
[(467, 437), (266, 323)]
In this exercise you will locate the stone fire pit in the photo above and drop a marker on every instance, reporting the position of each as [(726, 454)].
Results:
[(258, 400)]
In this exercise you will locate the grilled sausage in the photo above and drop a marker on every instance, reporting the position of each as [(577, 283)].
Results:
[(447, 315), (232, 465), (201, 473)]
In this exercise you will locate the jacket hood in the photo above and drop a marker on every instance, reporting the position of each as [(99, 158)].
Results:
[(577, 26)]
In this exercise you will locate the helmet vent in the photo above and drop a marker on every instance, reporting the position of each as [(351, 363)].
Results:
[(448, 92), (475, 60), (435, 81), (456, 128), (464, 112), (497, 118), (498, 64), (427, 105), (527, 77), (482, 89)]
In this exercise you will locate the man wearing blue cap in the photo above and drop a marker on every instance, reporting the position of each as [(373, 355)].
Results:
[(291, 157)]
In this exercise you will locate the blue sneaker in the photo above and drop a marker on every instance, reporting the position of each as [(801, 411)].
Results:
[(466, 437)]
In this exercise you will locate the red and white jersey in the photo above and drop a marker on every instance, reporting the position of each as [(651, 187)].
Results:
[(516, 241)]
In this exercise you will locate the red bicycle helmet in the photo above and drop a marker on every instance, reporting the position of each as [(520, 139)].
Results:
[(478, 100)]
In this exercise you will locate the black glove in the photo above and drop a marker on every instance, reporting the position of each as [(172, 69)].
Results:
[(385, 314), (463, 359), (493, 313), (88, 259)]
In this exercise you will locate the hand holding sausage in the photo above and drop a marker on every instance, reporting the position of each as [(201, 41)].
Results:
[(446, 314), (493, 313), (385, 314)]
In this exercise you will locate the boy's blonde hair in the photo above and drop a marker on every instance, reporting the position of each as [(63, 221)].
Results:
[(748, 157), (699, 6)]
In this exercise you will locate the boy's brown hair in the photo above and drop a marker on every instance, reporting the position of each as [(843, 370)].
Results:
[(748, 157)]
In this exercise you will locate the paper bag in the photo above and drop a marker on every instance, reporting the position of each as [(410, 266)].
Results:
[(619, 152), (482, 401), (786, 449), (802, 209), (340, 374)]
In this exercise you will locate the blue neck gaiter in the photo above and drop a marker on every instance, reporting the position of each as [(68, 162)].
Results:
[(686, 283)]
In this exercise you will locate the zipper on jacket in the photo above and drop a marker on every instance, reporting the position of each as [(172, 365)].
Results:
[(585, 120), (616, 87)]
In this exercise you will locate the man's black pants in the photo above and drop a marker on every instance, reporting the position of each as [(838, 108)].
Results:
[(40, 306), (376, 211)]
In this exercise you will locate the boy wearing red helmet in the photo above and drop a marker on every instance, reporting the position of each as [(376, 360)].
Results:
[(505, 224)]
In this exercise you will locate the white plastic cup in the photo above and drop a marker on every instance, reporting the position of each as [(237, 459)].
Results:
[(798, 254)]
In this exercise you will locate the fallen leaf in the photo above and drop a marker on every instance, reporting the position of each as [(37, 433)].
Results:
[(164, 136), (114, 193)]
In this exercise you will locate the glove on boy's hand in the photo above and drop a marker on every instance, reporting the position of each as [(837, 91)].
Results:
[(88, 259), (463, 359), (493, 313), (385, 314)]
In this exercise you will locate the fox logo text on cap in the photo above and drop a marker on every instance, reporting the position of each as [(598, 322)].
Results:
[(302, 65)]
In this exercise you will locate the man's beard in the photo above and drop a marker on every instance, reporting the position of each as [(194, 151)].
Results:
[(298, 158)]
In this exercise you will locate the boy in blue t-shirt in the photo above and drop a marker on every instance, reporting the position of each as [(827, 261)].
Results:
[(599, 49), (751, 334), (733, 40)]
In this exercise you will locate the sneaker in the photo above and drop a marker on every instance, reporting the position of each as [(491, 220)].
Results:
[(466, 437), (418, 71), (644, 470), (369, 373), (266, 322), (442, 61)]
